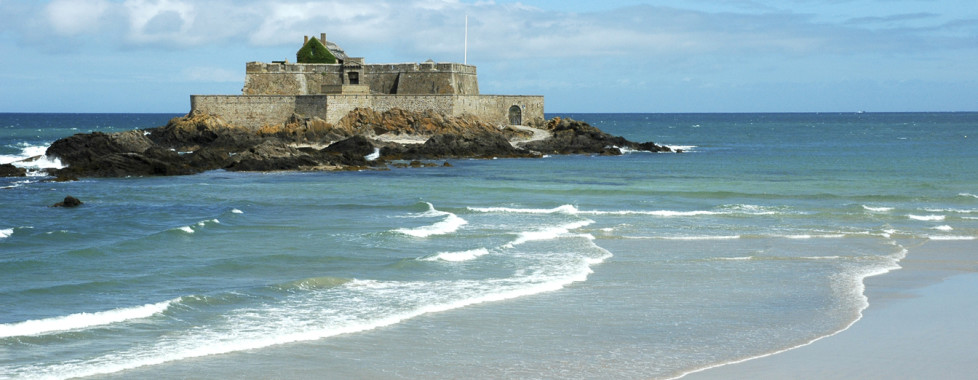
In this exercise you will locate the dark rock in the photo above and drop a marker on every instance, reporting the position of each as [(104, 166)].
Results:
[(357, 145), (482, 145), (9, 170), (69, 201), (196, 130), (271, 156), (62, 177), (651, 147), (210, 157), (447, 164), (211, 143), (84, 148), (577, 137)]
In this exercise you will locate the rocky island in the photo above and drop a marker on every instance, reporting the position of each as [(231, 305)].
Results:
[(365, 139), (330, 111)]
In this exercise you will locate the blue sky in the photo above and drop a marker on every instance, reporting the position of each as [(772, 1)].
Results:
[(583, 56)]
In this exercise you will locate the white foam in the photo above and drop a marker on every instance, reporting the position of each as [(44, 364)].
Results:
[(741, 258), (565, 209), (878, 209), (236, 211), (968, 195), (5, 233), (572, 210), (821, 257), (809, 236), (205, 222), (685, 148), (661, 213), (548, 233), (373, 156), (362, 305), (450, 224), (927, 218), (694, 238), (457, 256), (82, 320), (186, 229), (943, 228), (951, 238), (32, 158), (954, 210)]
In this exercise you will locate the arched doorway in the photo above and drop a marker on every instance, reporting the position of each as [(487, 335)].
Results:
[(515, 115)]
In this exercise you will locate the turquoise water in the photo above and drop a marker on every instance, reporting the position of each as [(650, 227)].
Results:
[(640, 266)]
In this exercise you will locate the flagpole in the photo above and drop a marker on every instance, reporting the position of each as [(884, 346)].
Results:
[(465, 57)]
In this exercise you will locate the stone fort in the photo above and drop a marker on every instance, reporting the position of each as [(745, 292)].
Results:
[(326, 83)]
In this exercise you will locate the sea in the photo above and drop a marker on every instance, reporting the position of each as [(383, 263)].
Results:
[(757, 239)]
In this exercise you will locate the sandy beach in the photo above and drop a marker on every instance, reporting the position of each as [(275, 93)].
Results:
[(921, 323)]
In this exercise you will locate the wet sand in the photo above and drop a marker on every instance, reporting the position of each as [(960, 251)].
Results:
[(922, 323)]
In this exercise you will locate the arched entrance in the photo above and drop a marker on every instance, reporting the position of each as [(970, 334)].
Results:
[(515, 115)]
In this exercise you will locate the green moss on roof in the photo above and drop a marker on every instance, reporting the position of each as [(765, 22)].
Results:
[(314, 52)]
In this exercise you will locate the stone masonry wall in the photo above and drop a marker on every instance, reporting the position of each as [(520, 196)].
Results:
[(256, 111), (246, 111), (495, 108), (406, 78)]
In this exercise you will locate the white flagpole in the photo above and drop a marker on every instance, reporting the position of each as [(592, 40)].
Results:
[(465, 57)]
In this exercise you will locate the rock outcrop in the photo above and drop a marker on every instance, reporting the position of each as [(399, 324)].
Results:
[(9, 170), (577, 137), (199, 142), (68, 202)]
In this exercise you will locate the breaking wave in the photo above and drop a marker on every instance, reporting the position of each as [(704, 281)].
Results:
[(449, 224), (573, 210), (457, 256), (82, 320)]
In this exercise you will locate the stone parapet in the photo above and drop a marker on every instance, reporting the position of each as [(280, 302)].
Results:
[(281, 78)]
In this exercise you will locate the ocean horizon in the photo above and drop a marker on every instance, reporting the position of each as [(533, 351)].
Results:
[(756, 240)]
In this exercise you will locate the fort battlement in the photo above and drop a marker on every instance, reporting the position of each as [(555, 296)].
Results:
[(275, 91)]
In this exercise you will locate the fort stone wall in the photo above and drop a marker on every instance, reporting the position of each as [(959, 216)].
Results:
[(254, 111), (280, 78), (246, 111)]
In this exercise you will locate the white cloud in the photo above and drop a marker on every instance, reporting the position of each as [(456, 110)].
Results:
[(286, 22), (152, 21), (74, 17), (417, 30)]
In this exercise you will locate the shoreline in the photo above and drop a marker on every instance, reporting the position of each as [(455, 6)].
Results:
[(914, 311)]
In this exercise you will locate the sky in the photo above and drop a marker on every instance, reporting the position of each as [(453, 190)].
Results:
[(583, 56)]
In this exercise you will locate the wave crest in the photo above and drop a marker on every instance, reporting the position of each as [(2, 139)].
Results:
[(82, 320), (450, 224), (549, 233), (927, 218), (457, 256)]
